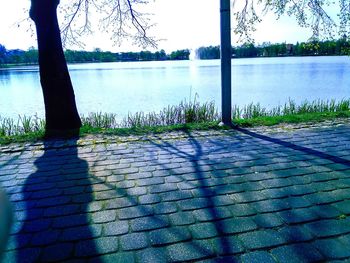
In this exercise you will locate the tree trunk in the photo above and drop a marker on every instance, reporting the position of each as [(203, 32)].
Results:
[(60, 109)]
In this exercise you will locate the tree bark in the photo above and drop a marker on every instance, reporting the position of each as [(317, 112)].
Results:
[(60, 108)]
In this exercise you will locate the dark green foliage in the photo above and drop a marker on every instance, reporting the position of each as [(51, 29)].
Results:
[(180, 55), (316, 48)]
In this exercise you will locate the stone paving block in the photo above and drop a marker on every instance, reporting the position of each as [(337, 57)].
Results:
[(122, 202), (262, 239), (189, 251), (324, 186), (294, 234), (134, 241), (58, 252), (203, 192), (165, 208), (338, 166), (321, 198), (328, 228), (341, 194), (94, 207), (176, 195), (221, 200), (345, 239), (211, 213), (249, 186), (223, 259), (225, 245), (29, 254), (300, 215), (189, 185), (69, 188), (47, 237), (104, 195), (149, 223), (81, 233), (150, 181), (134, 212), (247, 197), (125, 184), (119, 257), (257, 257), (53, 201), (149, 199), (297, 253), (155, 189), (326, 211), (343, 207), (169, 235), (115, 178), (300, 190), (203, 230), (182, 218), (296, 202), (300, 180), (104, 216), (242, 210), (151, 255), (174, 179), (194, 203), (37, 225), (46, 193), (268, 206), (70, 221), (116, 228), (236, 225), (136, 191), (268, 220), (275, 183), (102, 245), (332, 248)]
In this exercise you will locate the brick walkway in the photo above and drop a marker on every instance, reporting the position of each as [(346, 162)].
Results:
[(235, 196)]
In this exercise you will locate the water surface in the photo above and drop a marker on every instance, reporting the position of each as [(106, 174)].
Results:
[(149, 86)]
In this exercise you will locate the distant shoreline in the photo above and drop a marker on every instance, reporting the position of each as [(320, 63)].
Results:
[(11, 66)]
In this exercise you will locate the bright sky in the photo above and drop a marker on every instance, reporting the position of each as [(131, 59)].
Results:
[(182, 23)]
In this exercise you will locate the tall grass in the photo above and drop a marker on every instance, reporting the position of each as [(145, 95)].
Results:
[(185, 112), (22, 125), (290, 108)]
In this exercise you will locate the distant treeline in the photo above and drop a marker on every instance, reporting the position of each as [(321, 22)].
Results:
[(315, 48), (30, 56)]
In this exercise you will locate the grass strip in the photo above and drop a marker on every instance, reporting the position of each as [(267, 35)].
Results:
[(185, 116)]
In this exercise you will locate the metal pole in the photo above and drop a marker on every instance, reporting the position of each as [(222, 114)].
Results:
[(226, 53)]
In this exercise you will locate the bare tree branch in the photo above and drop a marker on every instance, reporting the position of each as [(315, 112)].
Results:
[(120, 18), (308, 13)]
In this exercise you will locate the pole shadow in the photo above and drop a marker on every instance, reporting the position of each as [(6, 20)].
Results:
[(296, 147)]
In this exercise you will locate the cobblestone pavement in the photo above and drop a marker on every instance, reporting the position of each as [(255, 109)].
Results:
[(232, 196)]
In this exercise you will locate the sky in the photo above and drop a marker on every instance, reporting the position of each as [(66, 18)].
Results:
[(179, 23)]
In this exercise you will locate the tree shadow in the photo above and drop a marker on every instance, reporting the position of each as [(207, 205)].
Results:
[(5, 220), (209, 193), (51, 223), (306, 150), (57, 197)]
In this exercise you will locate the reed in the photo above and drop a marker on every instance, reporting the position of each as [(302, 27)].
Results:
[(185, 113)]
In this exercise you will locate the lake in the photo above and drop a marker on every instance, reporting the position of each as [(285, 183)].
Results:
[(150, 86)]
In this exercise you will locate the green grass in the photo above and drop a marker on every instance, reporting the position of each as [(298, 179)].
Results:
[(185, 116)]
